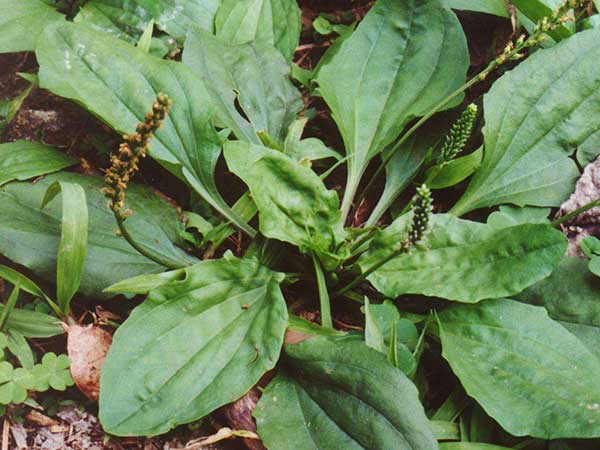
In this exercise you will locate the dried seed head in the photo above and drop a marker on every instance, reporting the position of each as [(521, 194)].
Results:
[(124, 164)]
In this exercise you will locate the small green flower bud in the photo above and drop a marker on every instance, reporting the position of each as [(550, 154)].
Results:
[(458, 135), (421, 217)]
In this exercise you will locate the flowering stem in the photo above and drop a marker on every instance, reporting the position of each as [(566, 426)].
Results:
[(157, 259), (419, 226), (326, 321), (511, 52), (124, 165), (576, 212)]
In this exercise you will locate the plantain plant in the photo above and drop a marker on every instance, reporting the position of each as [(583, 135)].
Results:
[(474, 299)]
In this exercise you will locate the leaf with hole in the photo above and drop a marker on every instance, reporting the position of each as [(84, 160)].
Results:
[(248, 85)]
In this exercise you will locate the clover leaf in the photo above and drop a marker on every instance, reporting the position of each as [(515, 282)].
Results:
[(14, 383), (53, 372)]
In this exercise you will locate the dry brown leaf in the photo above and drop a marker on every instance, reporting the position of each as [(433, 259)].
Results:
[(87, 347), (37, 418), (222, 434)]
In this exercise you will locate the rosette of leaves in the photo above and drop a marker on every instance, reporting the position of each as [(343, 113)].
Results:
[(437, 286)]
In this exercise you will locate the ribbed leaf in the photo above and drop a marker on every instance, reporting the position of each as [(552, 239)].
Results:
[(528, 373), (22, 160), (465, 261), (274, 22), (192, 346), (254, 75), (336, 394), (73, 239), (119, 83), (535, 117), (30, 236), (293, 203), (404, 58), (22, 21), (131, 17)]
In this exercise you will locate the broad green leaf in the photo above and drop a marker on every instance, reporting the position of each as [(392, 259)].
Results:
[(274, 22), (117, 17), (192, 346), (143, 284), (495, 7), (253, 76), (73, 239), (404, 58), (449, 174), (30, 236), (589, 150), (293, 203), (465, 261), (526, 371), (22, 160), (509, 215), (535, 117), (591, 22), (22, 21), (341, 394), (118, 83), (131, 17), (588, 335), (570, 294)]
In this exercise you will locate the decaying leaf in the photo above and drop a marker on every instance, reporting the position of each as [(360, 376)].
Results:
[(87, 347)]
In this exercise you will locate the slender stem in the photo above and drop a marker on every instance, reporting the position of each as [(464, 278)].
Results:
[(368, 272), (362, 239), (9, 306), (576, 212), (140, 249), (323, 295), (481, 76), (59, 312)]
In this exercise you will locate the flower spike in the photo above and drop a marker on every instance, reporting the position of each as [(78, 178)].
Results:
[(124, 164)]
